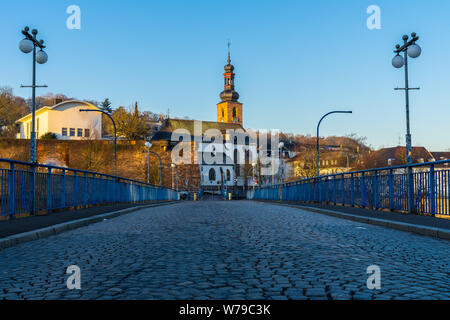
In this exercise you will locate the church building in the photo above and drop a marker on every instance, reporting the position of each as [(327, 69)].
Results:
[(229, 173)]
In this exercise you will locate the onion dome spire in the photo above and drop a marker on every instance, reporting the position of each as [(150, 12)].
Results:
[(229, 94)]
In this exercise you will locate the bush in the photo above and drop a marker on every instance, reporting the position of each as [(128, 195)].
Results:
[(48, 136)]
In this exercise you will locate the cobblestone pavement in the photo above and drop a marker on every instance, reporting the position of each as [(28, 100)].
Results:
[(227, 250)]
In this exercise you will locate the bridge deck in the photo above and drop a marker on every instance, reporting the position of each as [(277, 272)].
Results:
[(227, 250)]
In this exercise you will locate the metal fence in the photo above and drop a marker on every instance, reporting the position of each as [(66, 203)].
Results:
[(383, 188), (27, 188)]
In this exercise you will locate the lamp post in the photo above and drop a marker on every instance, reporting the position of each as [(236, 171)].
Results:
[(253, 174), (280, 146), (149, 145), (28, 44), (115, 134), (280, 153), (411, 49), (173, 167), (317, 138)]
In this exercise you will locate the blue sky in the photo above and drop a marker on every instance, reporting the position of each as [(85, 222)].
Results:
[(294, 61)]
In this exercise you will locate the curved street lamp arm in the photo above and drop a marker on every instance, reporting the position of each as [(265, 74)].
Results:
[(106, 113), (115, 133), (317, 136)]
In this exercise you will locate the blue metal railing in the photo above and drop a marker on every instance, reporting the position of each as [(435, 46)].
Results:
[(27, 188), (382, 188)]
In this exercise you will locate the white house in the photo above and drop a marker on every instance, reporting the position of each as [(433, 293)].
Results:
[(65, 120)]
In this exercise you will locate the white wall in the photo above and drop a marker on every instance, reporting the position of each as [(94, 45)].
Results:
[(204, 172), (69, 116), (66, 115)]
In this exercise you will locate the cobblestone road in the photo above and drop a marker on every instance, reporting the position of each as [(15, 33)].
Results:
[(227, 250)]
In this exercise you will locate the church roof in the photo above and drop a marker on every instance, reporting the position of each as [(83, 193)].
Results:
[(174, 124), (170, 125)]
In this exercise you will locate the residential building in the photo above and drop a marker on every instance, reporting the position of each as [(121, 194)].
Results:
[(64, 120)]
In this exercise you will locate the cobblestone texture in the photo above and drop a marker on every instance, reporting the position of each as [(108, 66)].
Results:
[(227, 250)]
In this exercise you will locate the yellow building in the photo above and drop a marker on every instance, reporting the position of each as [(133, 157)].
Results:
[(64, 120)]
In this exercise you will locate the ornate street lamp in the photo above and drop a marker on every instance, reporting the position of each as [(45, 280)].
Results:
[(411, 49), (27, 45)]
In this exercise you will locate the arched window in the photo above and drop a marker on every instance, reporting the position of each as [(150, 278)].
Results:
[(228, 175), (223, 113), (212, 174), (235, 156), (234, 114), (247, 140)]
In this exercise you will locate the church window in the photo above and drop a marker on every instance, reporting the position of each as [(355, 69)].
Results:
[(212, 174), (228, 175)]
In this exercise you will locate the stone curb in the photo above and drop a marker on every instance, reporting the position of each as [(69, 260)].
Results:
[(66, 226), (402, 226)]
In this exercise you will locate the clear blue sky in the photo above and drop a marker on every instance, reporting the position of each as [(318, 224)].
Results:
[(294, 61)]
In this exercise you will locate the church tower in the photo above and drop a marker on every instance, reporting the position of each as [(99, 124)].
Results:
[(229, 110)]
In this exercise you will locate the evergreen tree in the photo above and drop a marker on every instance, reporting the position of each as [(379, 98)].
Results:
[(106, 106)]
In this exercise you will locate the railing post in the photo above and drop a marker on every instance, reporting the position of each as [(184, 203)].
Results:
[(49, 190), (33, 190), (391, 190), (101, 180), (109, 190), (12, 191), (307, 188), (352, 190), (85, 191), (432, 191), (63, 193), (343, 189), (95, 191), (75, 191), (318, 196), (363, 190), (334, 189), (375, 189), (119, 184), (119, 191), (410, 191)]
